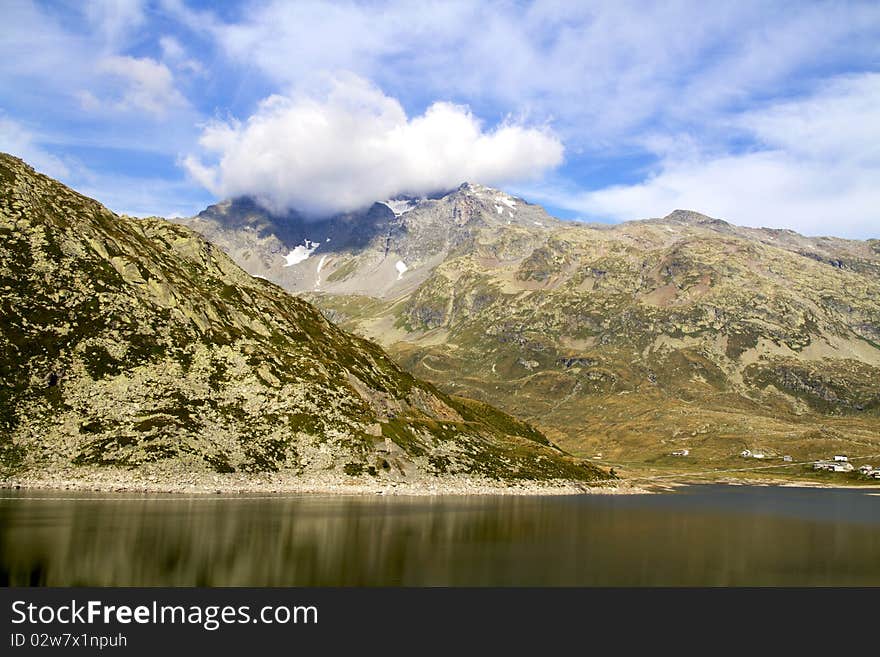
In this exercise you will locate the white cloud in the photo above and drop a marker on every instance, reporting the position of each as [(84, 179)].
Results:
[(613, 66), (816, 169), (841, 121), (142, 84), (353, 145)]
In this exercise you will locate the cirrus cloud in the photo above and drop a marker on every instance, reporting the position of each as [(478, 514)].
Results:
[(142, 84), (351, 145)]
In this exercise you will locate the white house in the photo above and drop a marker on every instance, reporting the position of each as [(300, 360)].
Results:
[(681, 452), (787, 458), (841, 458), (746, 453)]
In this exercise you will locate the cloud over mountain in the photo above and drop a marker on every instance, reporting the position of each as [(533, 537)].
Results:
[(351, 144)]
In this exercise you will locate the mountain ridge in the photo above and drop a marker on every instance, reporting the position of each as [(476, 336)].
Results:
[(136, 344), (684, 330)]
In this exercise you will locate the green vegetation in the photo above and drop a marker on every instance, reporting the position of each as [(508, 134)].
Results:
[(343, 271)]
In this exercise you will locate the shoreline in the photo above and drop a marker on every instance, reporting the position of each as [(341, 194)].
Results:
[(790, 483), (207, 484), (776, 483), (277, 484)]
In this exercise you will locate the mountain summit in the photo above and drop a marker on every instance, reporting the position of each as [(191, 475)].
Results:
[(382, 251)]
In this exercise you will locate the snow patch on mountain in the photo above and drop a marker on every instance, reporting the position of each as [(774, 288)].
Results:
[(300, 253), (318, 271)]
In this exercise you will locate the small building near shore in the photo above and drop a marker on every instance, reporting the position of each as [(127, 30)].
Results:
[(833, 466), (841, 458)]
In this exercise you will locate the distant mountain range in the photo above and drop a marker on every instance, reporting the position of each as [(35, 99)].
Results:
[(624, 341), (137, 344)]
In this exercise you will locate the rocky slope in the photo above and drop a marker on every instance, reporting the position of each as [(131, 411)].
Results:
[(137, 344), (625, 341)]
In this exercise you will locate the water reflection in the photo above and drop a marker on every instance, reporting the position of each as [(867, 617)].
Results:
[(707, 535)]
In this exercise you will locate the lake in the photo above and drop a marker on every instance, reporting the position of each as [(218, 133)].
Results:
[(709, 535)]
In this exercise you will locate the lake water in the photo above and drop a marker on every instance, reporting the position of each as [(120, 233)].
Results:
[(698, 535)]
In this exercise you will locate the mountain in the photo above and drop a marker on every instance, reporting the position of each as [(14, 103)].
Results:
[(384, 251), (627, 341), (136, 344)]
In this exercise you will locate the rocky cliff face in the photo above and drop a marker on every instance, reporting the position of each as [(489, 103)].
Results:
[(132, 342), (630, 340)]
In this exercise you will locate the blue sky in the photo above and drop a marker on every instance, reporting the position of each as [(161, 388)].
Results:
[(765, 114)]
